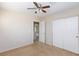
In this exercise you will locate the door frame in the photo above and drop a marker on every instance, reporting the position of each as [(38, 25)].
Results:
[(35, 22)]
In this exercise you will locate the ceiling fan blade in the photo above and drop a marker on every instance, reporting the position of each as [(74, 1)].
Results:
[(44, 11), (46, 7), (31, 8), (36, 4)]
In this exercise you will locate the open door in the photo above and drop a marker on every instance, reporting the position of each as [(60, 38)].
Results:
[(36, 31)]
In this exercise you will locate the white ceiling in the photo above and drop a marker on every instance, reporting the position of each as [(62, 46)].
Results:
[(22, 7)]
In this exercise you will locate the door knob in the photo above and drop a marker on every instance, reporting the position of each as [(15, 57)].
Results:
[(76, 36)]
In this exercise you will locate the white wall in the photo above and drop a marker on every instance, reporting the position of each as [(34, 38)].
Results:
[(42, 31), (49, 33), (16, 29), (59, 15)]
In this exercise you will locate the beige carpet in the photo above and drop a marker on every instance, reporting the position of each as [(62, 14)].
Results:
[(38, 49)]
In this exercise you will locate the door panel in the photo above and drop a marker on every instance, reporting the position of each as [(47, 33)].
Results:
[(65, 34), (71, 31), (58, 30)]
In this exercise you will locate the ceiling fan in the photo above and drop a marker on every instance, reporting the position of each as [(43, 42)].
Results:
[(40, 7)]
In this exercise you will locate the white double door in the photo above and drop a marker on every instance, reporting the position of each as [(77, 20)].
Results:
[(65, 34)]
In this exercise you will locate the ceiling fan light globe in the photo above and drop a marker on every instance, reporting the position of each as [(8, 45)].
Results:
[(35, 12)]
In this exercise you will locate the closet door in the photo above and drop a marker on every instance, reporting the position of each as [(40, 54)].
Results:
[(71, 41), (58, 31), (65, 34)]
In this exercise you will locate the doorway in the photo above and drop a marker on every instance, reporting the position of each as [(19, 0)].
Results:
[(36, 31)]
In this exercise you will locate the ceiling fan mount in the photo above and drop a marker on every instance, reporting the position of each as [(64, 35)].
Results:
[(40, 7)]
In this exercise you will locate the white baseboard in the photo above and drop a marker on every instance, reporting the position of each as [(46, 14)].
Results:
[(66, 50), (4, 50)]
